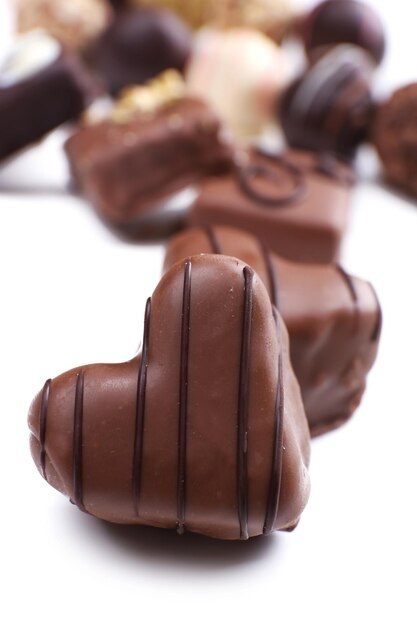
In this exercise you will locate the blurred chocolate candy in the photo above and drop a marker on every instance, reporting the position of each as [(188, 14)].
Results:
[(138, 45), (41, 86), (395, 137), (343, 21), (240, 72), (330, 106)]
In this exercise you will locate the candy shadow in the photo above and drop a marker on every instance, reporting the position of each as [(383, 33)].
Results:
[(189, 551)]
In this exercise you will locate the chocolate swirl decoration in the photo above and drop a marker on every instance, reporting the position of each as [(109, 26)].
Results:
[(247, 173)]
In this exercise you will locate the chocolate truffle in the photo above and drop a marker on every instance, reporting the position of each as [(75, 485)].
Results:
[(129, 166), (41, 87), (343, 21), (395, 138), (296, 202), (73, 22), (330, 106), (203, 431), (333, 319), (138, 45), (269, 16), (245, 98)]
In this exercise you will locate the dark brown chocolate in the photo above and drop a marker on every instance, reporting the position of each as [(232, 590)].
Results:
[(333, 320), (395, 138), (42, 98), (330, 106), (138, 45), (333, 22), (203, 431), (297, 203), (128, 169)]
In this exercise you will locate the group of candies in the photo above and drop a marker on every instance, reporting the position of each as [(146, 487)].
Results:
[(255, 339)]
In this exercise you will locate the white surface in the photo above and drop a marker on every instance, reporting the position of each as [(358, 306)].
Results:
[(71, 293)]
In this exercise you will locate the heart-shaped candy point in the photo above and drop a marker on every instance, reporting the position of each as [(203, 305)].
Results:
[(203, 431)]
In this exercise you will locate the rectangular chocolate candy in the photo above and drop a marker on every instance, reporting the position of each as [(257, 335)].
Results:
[(333, 319), (41, 87), (297, 203), (128, 168)]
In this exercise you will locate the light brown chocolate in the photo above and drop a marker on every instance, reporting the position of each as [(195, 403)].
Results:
[(204, 430), (297, 203), (333, 320), (128, 169)]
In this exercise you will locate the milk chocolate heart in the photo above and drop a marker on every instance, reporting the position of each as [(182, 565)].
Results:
[(333, 320), (204, 430)]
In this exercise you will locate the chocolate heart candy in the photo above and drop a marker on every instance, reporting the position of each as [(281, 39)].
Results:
[(204, 430), (333, 319)]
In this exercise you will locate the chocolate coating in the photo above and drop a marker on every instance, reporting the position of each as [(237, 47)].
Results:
[(203, 431), (330, 106), (297, 203), (333, 319), (41, 101), (395, 138), (138, 45), (126, 169), (343, 21)]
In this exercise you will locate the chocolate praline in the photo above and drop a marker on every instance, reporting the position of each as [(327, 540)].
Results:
[(343, 21), (395, 137), (330, 107), (138, 45)]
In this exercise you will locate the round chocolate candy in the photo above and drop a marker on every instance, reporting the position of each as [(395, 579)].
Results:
[(343, 21), (395, 137), (138, 45), (329, 108)]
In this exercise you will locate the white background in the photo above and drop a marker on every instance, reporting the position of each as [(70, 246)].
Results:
[(71, 294)]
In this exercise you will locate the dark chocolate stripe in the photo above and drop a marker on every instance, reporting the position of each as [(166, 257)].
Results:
[(276, 468), (78, 442), (140, 411), (376, 333), (214, 240), (272, 273), (318, 110), (42, 424), (348, 280), (182, 427), (242, 460)]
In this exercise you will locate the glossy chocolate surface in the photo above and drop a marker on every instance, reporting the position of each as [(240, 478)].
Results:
[(297, 203), (127, 169), (330, 106), (333, 319), (204, 430)]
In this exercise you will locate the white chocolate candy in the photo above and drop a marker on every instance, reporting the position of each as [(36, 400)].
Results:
[(30, 54), (240, 72), (7, 28)]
